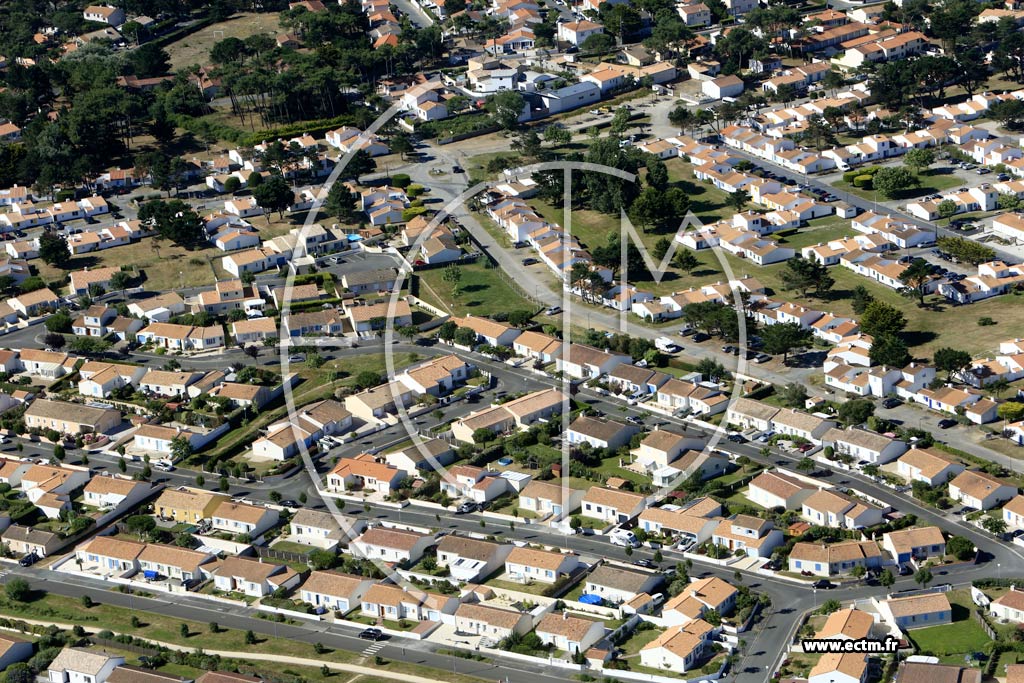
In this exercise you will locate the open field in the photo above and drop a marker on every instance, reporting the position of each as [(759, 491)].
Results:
[(707, 202), (195, 49), (594, 229), (65, 610), (932, 180), (938, 324), (482, 291), (165, 265), (819, 230), (278, 670)]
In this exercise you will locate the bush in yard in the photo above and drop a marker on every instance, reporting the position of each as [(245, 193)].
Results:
[(862, 181), (412, 212)]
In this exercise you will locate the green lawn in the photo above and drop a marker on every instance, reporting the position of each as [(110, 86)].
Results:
[(939, 324), (1005, 659), (535, 588), (637, 640), (707, 202), (483, 291), (819, 230), (932, 181), (964, 635), (292, 547), (591, 523), (280, 671), (609, 467)]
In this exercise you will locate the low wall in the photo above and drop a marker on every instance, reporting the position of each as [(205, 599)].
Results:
[(430, 308), (289, 612), (222, 544)]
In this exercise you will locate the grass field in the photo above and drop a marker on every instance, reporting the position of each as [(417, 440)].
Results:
[(61, 609), (278, 670), (482, 291), (195, 49), (707, 202), (932, 180), (938, 324), (535, 588), (163, 264), (609, 467), (817, 231)]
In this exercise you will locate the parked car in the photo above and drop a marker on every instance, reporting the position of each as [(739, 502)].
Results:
[(634, 420), (762, 358), (28, 560), (371, 634), (823, 584), (891, 402), (530, 261), (645, 563), (737, 438), (701, 337), (983, 171), (467, 507), (946, 423)]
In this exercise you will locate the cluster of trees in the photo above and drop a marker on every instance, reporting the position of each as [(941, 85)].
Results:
[(966, 250), (806, 275), (266, 84), (718, 320)]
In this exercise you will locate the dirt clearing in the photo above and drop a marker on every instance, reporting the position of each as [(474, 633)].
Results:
[(195, 49)]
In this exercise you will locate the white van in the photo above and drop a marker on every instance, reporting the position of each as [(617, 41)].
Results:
[(623, 537), (666, 345)]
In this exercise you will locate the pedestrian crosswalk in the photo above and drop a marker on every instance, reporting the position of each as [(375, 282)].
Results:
[(373, 648)]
